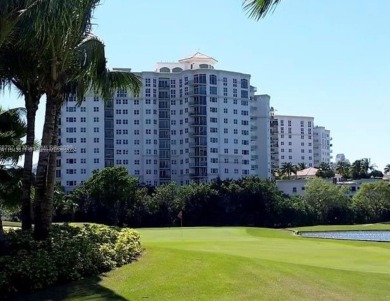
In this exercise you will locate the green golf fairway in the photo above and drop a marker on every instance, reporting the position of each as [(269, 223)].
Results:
[(236, 263)]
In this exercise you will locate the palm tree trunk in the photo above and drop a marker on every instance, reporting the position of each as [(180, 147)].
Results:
[(51, 174), (44, 196), (26, 212)]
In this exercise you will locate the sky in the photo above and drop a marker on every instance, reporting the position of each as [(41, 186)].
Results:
[(329, 59)]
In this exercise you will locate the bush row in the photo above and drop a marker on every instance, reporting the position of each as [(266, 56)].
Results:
[(70, 253)]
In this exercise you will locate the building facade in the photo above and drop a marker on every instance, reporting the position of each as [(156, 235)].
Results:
[(191, 122), (292, 140), (322, 145), (295, 139)]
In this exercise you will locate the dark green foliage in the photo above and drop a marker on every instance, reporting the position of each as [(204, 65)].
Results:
[(249, 201), (70, 253), (295, 211), (106, 196)]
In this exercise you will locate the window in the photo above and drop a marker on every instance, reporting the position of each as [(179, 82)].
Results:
[(213, 79), (71, 130), (244, 94), (70, 109), (244, 83), (121, 93), (96, 109)]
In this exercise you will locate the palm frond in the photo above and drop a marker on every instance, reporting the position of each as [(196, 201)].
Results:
[(89, 72), (257, 9)]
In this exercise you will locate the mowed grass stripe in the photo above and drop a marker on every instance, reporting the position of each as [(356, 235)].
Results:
[(240, 264)]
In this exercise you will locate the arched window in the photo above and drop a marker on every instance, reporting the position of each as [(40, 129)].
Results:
[(177, 69), (165, 69)]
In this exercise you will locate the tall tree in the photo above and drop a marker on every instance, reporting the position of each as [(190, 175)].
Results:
[(343, 168), (20, 68), (72, 61), (301, 166), (112, 191), (367, 166), (258, 9)]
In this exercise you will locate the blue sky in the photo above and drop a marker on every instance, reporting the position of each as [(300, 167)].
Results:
[(324, 58)]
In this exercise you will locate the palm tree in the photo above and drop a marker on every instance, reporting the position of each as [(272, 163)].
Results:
[(387, 169), (325, 171), (367, 166), (10, 13), (301, 166), (258, 9), (12, 129), (288, 168), (20, 68), (73, 61), (343, 168)]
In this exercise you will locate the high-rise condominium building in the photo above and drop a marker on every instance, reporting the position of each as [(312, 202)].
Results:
[(191, 122), (295, 139)]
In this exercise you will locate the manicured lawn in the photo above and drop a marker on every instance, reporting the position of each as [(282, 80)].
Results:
[(241, 264), (11, 224)]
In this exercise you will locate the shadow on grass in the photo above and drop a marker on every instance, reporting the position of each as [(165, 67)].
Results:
[(86, 289)]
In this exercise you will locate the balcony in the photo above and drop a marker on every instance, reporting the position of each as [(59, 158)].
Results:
[(198, 123), (201, 90), (201, 154), (199, 164), (197, 134), (198, 144), (198, 112)]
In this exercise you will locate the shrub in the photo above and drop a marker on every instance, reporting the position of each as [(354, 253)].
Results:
[(70, 253)]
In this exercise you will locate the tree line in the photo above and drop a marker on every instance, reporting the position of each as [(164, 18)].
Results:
[(359, 169), (113, 197)]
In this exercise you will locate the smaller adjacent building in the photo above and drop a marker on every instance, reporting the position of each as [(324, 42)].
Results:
[(295, 187), (295, 139), (322, 145)]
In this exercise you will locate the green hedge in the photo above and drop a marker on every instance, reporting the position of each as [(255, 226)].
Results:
[(70, 253)]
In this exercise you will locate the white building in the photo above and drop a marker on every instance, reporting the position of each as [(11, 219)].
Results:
[(190, 123), (292, 140), (295, 139), (322, 145)]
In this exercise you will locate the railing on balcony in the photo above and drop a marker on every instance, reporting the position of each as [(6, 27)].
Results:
[(198, 144), (198, 164), (198, 154)]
